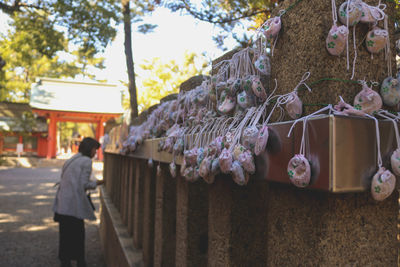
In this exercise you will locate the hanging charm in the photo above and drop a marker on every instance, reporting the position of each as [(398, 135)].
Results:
[(367, 100), (337, 39), (372, 14), (376, 40), (390, 91), (350, 12), (383, 184), (337, 36)]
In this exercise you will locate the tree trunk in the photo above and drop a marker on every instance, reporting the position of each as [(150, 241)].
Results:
[(129, 58)]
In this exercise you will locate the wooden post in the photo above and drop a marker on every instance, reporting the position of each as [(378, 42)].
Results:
[(191, 223), (138, 204), (149, 189), (165, 216), (237, 220)]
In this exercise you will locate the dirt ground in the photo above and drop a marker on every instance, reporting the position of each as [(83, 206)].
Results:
[(28, 234)]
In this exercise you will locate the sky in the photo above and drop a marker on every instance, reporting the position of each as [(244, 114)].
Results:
[(174, 35)]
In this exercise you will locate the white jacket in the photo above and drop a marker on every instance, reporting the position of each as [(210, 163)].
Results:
[(71, 197)]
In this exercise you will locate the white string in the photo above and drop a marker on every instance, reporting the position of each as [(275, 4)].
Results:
[(305, 76), (395, 126), (334, 12), (347, 39), (355, 52), (378, 139)]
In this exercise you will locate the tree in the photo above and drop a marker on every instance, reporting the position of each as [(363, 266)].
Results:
[(163, 78), (89, 24), (227, 15), (129, 16)]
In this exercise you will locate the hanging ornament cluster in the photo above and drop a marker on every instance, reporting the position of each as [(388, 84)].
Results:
[(352, 12)]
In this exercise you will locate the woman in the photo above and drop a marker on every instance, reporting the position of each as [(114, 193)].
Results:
[(72, 206)]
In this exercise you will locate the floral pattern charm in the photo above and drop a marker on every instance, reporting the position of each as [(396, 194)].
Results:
[(390, 91), (376, 40), (395, 162), (367, 100), (294, 106), (299, 171), (383, 184), (354, 12), (336, 40)]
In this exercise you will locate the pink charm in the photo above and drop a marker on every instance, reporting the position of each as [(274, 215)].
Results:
[(239, 149), (249, 137), (272, 27), (354, 12), (225, 161), (247, 161), (258, 88), (262, 64), (376, 40), (367, 100), (238, 174), (227, 105), (262, 139), (342, 108), (371, 14), (395, 162), (299, 171), (336, 40), (294, 106), (205, 167), (191, 156), (383, 184)]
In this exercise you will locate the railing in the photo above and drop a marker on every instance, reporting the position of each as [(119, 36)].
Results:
[(171, 222)]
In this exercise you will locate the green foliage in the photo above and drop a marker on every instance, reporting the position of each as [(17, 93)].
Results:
[(160, 79)]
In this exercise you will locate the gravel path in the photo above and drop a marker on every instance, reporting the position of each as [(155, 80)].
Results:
[(28, 235)]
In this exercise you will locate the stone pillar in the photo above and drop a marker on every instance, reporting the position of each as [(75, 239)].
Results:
[(191, 223), (165, 219), (149, 197), (237, 223), (138, 203)]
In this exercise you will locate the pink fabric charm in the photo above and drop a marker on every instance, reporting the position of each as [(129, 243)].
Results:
[(376, 40), (238, 174), (371, 14), (272, 27), (247, 161), (299, 171), (390, 91), (258, 88), (200, 155), (247, 84), (395, 162), (294, 106), (169, 144), (354, 12), (262, 139), (336, 40), (172, 169), (383, 184), (242, 100), (205, 167), (225, 161), (191, 156), (342, 108), (262, 64), (227, 140), (249, 137), (239, 149), (367, 100), (178, 146), (227, 105)]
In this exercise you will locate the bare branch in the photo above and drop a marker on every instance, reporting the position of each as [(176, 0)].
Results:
[(16, 7)]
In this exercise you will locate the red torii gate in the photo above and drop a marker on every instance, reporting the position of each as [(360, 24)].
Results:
[(62, 101)]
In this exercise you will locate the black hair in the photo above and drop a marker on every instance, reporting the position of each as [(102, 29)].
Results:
[(86, 146)]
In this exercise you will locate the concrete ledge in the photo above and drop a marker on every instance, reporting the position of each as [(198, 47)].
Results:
[(116, 242)]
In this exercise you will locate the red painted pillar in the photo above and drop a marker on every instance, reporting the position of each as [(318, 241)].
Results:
[(51, 137), (99, 135)]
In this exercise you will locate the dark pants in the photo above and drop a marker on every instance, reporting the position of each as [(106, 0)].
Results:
[(72, 240)]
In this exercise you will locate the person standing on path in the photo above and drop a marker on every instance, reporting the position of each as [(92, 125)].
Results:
[(72, 206)]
